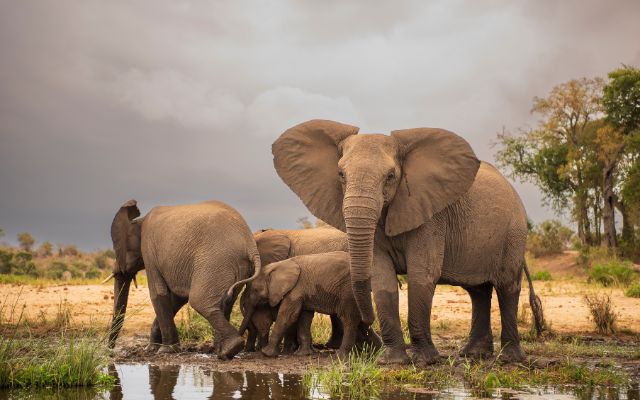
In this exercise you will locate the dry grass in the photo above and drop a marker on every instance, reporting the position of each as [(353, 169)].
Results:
[(602, 313)]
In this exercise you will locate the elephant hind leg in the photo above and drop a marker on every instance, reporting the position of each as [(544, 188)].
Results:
[(508, 297), (155, 338), (480, 344), (228, 341)]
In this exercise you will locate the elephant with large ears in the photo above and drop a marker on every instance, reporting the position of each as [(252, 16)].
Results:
[(416, 202), (191, 253)]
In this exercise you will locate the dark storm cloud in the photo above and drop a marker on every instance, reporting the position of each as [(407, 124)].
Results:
[(173, 102)]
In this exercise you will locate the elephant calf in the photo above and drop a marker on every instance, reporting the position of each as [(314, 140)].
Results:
[(277, 245), (191, 253), (301, 286)]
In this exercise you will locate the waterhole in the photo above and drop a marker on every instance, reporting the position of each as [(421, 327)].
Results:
[(150, 381)]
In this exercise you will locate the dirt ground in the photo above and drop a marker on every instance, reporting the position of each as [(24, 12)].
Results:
[(91, 305), (562, 299)]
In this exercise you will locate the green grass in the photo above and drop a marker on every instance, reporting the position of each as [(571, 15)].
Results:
[(40, 363), (612, 273), (633, 290), (193, 326), (358, 377), (541, 276)]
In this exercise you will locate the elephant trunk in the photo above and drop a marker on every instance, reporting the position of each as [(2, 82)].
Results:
[(121, 285), (361, 217)]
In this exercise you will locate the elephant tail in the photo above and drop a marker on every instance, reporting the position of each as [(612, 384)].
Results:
[(535, 303), (254, 256)]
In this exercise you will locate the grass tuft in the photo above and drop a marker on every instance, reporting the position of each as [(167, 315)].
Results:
[(541, 276), (633, 290), (612, 273), (602, 313)]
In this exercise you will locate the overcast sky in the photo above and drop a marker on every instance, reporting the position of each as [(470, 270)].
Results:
[(176, 102)]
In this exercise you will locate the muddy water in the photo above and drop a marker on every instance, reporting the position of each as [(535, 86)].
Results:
[(148, 381)]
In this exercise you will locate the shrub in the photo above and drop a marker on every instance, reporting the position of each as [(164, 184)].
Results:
[(602, 313), (56, 270), (23, 265), (633, 290), (549, 237), (612, 273), (589, 255), (68, 250), (93, 273), (6, 261), (541, 276)]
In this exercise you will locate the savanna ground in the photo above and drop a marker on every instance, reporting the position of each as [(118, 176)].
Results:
[(572, 351)]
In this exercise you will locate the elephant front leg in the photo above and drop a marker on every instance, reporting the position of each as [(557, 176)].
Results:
[(287, 316), (384, 285), (424, 256), (155, 337), (337, 330)]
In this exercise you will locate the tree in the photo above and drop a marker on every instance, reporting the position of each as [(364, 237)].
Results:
[(26, 241), (621, 102), (1, 232), (560, 155), (45, 249)]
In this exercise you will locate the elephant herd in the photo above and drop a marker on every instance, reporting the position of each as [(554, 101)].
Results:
[(417, 202)]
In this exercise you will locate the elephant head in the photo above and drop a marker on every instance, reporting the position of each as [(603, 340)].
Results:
[(269, 287), (359, 182), (125, 234)]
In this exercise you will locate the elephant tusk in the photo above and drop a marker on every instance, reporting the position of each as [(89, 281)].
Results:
[(108, 278), (135, 282)]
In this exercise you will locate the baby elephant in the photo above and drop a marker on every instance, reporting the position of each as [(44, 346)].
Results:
[(301, 286)]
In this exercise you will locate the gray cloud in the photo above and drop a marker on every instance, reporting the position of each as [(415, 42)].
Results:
[(173, 102)]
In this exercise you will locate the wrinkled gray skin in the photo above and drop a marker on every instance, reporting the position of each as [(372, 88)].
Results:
[(191, 253), (302, 285), (277, 245), (420, 203)]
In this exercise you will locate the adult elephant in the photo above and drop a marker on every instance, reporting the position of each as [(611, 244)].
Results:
[(420, 203), (191, 253)]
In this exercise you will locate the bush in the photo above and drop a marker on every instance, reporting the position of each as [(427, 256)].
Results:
[(602, 313), (56, 270), (548, 237), (589, 255), (6, 261), (612, 273), (541, 276), (93, 273), (633, 290), (22, 265)]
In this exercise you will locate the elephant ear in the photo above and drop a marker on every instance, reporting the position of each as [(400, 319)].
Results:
[(283, 276), (272, 247), (120, 229), (306, 158), (438, 167)]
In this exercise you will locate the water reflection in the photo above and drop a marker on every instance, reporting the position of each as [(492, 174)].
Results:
[(144, 381)]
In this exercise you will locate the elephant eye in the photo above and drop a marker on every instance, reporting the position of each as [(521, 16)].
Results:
[(341, 174), (390, 176)]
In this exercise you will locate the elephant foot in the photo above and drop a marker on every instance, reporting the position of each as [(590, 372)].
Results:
[(333, 343), (289, 348), (306, 351), (511, 354), (152, 348), (250, 347), (169, 348), (478, 348), (373, 341), (394, 356), (424, 356), (229, 348), (270, 351)]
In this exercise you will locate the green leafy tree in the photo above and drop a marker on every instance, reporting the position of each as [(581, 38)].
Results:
[(621, 102), (26, 241), (560, 154)]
